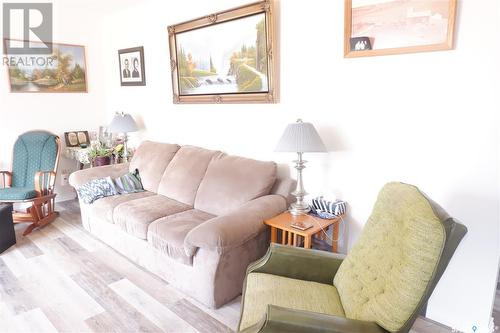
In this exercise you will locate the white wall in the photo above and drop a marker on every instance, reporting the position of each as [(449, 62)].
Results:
[(428, 119), (61, 112)]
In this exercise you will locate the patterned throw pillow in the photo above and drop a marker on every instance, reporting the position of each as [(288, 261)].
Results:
[(129, 183), (96, 189)]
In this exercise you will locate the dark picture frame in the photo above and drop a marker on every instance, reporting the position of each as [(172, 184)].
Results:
[(207, 67), (132, 67), (76, 138)]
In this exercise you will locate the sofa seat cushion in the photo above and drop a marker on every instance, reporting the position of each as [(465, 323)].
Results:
[(135, 216), (263, 289), (167, 234), (231, 181), (103, 208)]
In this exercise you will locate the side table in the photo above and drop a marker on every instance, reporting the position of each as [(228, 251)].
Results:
[(293, 237), (7, 233)]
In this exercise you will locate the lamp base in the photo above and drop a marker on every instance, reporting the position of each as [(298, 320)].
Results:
[(299, 209)]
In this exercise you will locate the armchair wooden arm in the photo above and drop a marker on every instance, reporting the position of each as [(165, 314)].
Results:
[(44, 182), (6, 179)]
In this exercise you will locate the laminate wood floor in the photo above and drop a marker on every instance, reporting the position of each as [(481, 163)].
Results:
[(62, 279)]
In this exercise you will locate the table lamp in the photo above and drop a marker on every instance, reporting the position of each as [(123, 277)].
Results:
[(123, 123), (300, 138)]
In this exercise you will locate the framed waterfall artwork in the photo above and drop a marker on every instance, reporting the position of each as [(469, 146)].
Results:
[(226, 57), (384, 27), (62, 71)]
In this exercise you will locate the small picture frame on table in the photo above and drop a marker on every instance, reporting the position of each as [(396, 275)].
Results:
[(77, 139)]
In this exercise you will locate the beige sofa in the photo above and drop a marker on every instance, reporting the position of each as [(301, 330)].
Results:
[(198, 224)]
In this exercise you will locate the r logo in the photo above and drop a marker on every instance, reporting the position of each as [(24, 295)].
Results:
[(25, 22)]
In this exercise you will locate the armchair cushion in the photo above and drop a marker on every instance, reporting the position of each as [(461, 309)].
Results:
[(17, 193), (387, 272), (263, 289), (33, 151)]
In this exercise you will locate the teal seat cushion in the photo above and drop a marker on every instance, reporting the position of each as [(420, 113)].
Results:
[(17, 193)]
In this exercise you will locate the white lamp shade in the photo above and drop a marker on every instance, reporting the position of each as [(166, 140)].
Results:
[(123, 123), (300, 137)]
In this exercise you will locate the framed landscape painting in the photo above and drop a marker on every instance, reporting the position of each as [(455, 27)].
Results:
[(383, 27), (226, 57), (62, 71)]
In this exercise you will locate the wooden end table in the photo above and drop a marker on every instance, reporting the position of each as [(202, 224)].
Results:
[(293, 237)]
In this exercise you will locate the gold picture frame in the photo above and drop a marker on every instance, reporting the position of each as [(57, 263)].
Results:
[(368, 17), (214, 83), (42, 75)]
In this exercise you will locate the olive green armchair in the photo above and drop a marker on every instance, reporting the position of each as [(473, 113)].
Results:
[(380, 286)]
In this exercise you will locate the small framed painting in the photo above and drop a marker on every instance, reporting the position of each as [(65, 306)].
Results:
[(384, 27), (132, 69), (226, 57), (62, 71), (77, 139)]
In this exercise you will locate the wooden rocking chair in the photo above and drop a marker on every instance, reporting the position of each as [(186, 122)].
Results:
[(32, 179)]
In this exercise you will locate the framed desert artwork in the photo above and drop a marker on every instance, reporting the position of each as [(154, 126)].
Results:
[(132, 69), (225, 57), (62, 71), (383, 27)]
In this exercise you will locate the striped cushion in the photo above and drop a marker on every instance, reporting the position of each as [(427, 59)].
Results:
[(129, 183)]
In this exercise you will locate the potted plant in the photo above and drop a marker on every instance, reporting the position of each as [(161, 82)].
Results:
[(100, 155)]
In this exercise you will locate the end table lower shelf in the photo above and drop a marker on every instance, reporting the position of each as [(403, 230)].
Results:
[(281, 225)]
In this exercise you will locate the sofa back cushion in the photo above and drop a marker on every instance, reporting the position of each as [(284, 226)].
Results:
[(231, 181), (151, 159), (184, 173), (386, 274)]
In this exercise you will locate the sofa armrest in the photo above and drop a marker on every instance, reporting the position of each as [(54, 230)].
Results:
[(78, 178), (280, 319), (298, 263), (228, 231)]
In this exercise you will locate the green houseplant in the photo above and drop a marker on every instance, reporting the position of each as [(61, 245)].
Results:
[(100, 155)]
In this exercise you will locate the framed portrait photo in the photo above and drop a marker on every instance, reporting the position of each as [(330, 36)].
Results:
[(226, 57), (132, 69), (384, 27)]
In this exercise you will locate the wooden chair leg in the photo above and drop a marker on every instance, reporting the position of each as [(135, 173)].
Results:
[(42, 212)]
